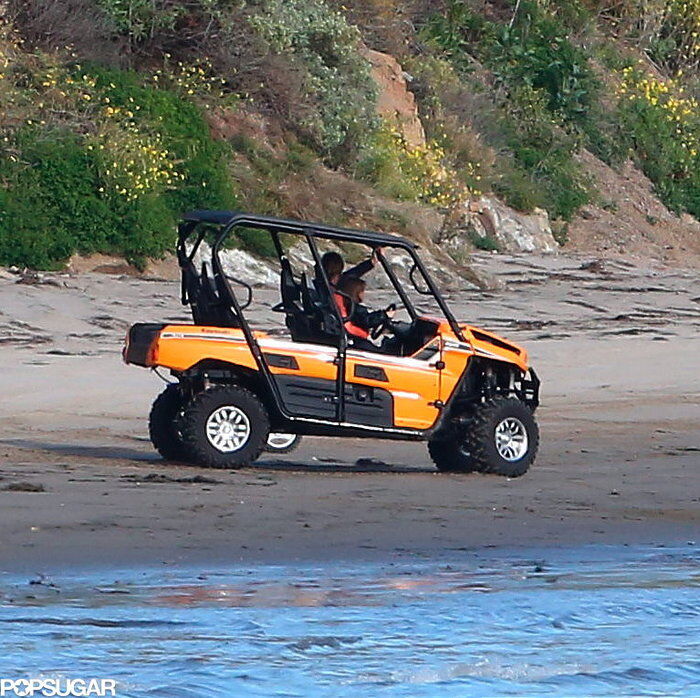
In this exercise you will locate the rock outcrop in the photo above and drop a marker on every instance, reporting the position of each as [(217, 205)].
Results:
[(395, 102), (507, 230), (512, 230)]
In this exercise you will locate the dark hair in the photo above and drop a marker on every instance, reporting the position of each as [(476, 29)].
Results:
[(352, 286), (332, 264)]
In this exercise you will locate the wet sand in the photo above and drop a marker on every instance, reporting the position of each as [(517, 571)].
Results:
[(615, 346)]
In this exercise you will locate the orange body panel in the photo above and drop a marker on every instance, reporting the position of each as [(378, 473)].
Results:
[(415, 384)]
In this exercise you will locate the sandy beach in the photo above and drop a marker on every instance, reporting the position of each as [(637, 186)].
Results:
[(614, 343)]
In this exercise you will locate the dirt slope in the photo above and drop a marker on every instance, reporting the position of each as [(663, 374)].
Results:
[(630, 220)]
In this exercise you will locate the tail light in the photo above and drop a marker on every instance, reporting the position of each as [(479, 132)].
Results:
[(140, 343)]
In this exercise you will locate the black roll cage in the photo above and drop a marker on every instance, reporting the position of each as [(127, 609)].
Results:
[(226, 221)]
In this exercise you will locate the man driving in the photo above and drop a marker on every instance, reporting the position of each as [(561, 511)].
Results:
[(334, 266)]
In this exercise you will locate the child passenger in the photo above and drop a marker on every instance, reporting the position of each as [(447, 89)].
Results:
[(362, 319)]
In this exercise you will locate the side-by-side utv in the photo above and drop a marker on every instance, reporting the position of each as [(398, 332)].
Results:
[(468, 393)]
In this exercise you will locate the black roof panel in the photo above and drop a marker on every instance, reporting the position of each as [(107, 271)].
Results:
[(298, 227)]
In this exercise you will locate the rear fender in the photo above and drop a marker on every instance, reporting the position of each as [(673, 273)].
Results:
[(216, 372), (141, 342)]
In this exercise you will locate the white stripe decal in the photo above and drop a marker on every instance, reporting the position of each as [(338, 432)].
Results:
[(390, 360), (192, 335), (408, 396), (271, 343)]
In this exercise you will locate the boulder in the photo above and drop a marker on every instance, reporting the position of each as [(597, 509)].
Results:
[(512, 231), (242, 265)]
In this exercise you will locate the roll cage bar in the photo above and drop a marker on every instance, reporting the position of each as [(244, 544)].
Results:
[(227, 221)]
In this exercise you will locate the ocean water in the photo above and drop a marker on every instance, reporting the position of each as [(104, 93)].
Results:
[(603, 621)]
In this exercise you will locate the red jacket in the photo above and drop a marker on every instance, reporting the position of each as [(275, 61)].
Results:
[(351, 328)]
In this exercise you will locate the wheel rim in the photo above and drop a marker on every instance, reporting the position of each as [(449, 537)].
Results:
[(228, 429), (281, 440), (511, 439)]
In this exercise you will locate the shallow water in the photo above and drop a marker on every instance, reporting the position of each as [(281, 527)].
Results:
[(599, 621)]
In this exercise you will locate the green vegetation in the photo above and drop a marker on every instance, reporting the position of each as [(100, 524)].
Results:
[(410, 173), (100, 159), (542, 91), (339, 92), (104, 145), (118, 186), (664, 124)]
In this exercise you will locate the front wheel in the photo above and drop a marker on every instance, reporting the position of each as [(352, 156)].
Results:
[(224, 427), (502, 437)]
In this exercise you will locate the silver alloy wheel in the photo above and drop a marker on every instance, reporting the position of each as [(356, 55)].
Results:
[(511, 439), (279, 441), (228, 429)]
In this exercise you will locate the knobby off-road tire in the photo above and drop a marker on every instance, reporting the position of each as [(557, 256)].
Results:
[(224, 427), (282, 443), (503, 437), (163, 427), (477, 448), (449, 456)]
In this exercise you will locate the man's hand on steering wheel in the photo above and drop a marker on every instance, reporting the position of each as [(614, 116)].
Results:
[(389, 313)]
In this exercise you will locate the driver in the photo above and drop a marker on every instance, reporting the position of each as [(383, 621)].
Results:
[(362, 319), (334, 265)]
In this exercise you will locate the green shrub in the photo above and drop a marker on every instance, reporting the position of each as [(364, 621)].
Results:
[(52, 206), (546, 99), (536, 52), (340, 94), (543, 152), (116, 186), (381, 163), (140, 19), (664, 126), (460, 33), (184, 132), (410, 172), (518, 190), (486, 243)]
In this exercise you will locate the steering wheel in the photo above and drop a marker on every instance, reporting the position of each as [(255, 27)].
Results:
[(377, 331)]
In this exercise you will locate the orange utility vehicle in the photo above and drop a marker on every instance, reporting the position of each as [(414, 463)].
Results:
[(468, 393)]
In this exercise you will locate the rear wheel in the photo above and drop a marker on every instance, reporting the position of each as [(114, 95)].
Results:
[(224, 427), (163, 424), (282, 443)]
